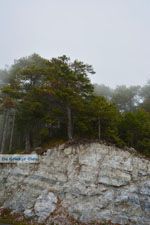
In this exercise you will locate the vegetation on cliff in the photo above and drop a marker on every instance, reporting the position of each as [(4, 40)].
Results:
[(42, 100)]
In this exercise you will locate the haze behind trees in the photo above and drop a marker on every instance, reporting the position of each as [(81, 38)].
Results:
[(43, 100)]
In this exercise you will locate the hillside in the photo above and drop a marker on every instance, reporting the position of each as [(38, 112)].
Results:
[(92, 182)]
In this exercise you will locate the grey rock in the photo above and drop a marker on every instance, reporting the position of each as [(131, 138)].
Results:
[(92, 182), (67, 151), (28, 213), (45, 204), (113, 177)]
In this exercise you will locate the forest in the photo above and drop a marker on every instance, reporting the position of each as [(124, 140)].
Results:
[(42, 100)]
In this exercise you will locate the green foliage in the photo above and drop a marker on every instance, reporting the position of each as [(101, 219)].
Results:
[(4, 77), (145, 105), (125, 98), (105, 113), (135, 130), (102, 90), (145, 95), (145, 91), (54, 99)]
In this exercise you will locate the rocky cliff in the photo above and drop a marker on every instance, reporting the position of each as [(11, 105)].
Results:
[(91, 182)]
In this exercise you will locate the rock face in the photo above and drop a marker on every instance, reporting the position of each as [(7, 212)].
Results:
[(91, 182), (45, 204)]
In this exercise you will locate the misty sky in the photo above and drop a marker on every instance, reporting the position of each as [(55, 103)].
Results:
[(112, 35)]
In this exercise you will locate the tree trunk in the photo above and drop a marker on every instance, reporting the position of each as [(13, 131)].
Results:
[(3, 118), (12, 131), (4, 132), (27, 142), (99, 129), (69, 126)]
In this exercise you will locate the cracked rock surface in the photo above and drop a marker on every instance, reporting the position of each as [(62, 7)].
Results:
[(93, 182)]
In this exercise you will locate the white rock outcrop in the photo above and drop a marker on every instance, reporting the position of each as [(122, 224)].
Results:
[(92, 182), (45, 204)]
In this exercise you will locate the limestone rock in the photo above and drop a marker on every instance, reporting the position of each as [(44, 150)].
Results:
[(45, 204), (112, 177), (92, 182), (28, 213), (68, 151)]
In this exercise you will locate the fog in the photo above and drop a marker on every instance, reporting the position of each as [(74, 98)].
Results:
[(113, 36)]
